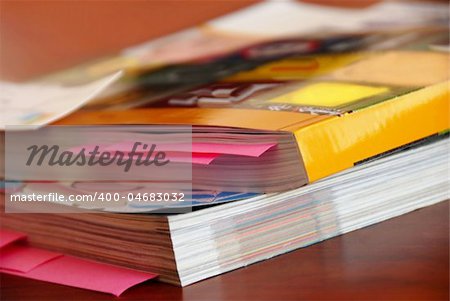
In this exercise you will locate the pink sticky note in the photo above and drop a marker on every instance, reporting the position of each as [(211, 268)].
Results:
[(24, 261), (195, 158), (72, 271), (180, 157), (252, 150), (178, 153), (203, 158), (22, 258), (8, 236)]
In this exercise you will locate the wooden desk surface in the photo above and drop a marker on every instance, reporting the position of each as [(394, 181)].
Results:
[(406, 258)]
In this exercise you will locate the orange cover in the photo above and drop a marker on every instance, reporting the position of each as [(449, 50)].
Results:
[(328, 144)]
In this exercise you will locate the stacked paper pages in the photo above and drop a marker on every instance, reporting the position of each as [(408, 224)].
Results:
[(252, 135), (189, 247)]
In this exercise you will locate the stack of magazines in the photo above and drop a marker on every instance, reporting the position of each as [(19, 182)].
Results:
[(263, 131)]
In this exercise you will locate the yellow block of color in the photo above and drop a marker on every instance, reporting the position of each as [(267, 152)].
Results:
[(297, 68), (336, 143), (329, 94)]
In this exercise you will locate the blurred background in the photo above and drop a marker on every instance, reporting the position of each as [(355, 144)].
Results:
[(37, 37)]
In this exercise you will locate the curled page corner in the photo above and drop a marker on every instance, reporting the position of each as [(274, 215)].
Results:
[(28, 106)]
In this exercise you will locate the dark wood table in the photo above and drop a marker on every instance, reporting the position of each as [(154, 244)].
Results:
[(406, 258)]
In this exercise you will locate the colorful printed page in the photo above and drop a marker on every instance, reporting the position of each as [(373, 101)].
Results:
[(250, 26), (40, 104), (17, 258), (284, 18)]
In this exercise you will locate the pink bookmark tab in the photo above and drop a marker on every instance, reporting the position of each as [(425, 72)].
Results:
[(22, 258), (8, 236), (250, 150), (76, 272), (179, 157), (194, 158), (175, 155)]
